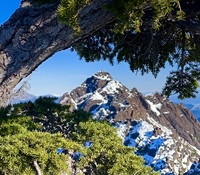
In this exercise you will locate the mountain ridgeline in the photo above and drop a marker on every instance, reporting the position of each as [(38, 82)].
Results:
[(165, 134)]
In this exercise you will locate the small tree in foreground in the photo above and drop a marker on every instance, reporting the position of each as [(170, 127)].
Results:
[(26, 150), (31, 152), (107, 154)]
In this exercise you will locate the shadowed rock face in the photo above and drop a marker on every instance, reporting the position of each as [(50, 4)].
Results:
[(178, 118), (169, 126), (108, 98)]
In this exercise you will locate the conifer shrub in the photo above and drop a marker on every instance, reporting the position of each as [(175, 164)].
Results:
[(30, 140)]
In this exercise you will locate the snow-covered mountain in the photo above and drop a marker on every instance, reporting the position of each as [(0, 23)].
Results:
[(165, 134)]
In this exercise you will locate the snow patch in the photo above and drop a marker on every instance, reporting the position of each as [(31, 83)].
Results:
[(97, 96), (143, 130), (102, 76), (155, 107), (112, 87), (167, 112), (163, 128), (121, 129)]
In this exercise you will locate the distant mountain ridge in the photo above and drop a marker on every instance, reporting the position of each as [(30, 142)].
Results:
[(165, 134), (26, 97), (22, 98)]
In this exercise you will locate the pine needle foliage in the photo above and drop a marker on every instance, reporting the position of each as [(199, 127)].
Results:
[(129, 13), (148, 41), (108, 155), (19, 150), (147, 34), (68, 12), (52, 116), (22, 143)]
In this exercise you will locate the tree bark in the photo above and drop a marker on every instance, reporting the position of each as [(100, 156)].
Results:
[(33, 34)]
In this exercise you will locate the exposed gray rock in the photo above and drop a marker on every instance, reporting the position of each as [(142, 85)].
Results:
[(165, 134)]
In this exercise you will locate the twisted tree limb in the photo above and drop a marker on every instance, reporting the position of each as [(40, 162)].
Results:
[(33, 34)]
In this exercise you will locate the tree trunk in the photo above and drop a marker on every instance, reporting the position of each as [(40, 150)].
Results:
[(33, 34)]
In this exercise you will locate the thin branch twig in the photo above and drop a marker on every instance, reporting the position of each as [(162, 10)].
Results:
[(37, 167)]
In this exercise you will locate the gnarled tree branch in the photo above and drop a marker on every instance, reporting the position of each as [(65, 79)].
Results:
[(33, 34)]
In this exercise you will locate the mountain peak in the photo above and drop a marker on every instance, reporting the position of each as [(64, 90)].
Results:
[(103, 76), (96, 81)]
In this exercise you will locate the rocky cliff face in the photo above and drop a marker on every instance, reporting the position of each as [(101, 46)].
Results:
[(165, 134)]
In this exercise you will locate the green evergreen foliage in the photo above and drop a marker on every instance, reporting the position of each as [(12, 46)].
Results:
[(142, 52), (22, 143), (108, 155), (53, 116), (68, 12), (147, 35), (17, 124), (12, 122), (19, 151), (186, 81), (43, 107), (130, 13)]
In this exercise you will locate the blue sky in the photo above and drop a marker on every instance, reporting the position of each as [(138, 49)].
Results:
[(64, 71)]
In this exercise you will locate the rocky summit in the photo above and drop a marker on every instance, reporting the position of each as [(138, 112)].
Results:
[(166, 135)]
